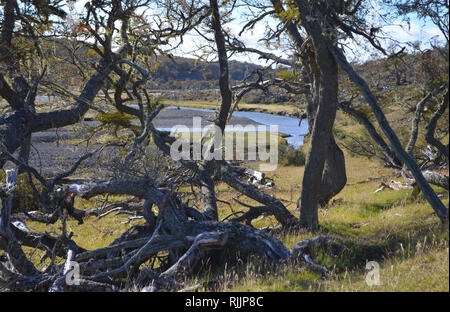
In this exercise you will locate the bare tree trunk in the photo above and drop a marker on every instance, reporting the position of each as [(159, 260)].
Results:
[(416, 119), (334, 175), (13, 132), (207, 187), (384, 147), (207, 190), (426, 189), (224, 83), (321, 136), (24, 154), (327, 91), (15, 255), (436, 178), (429, 136)]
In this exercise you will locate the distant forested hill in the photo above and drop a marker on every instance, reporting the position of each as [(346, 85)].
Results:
[(166, 73), (190, 69)]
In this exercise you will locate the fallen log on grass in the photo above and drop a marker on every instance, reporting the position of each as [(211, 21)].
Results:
[(176, 242), (188, 242)]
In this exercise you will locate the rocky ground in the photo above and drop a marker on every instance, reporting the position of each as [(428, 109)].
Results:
[(51, 153)]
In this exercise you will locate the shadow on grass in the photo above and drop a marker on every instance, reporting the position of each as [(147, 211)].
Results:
[(255, 274), (378, 246)]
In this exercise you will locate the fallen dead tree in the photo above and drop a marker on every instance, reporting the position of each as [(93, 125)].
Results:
[(179, 238), (393, 185), (176, 237), (172, 243), (432, 177), (188, 242)]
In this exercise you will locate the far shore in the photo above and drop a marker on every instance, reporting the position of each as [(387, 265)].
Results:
[(57, 152)]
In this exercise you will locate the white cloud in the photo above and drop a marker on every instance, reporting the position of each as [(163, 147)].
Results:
[(404, 33), (399, 32), (193, 42)]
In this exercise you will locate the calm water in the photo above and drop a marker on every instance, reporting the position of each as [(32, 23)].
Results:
[(286, 125)]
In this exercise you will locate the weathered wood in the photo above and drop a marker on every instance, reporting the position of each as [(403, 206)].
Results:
[(134, 258), (431, 128), (8, 242), (376, 137), (304, 249), (196, 237), (253, 175), (11, 178), (431, 177), (279, 211), (43, 241), (416, 119), (207, 190), (393, 185), (426, 189), (60, 283), (203, 241), (90, 286), (253, 213)]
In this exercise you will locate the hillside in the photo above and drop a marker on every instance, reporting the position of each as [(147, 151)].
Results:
[(181, 68), (167, 73)]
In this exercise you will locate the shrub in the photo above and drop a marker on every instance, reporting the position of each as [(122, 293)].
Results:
[(292, 157), (24, 194), (115, 118)]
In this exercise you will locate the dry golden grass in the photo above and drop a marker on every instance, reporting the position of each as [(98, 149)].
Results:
[(390, 227), (266, 108)]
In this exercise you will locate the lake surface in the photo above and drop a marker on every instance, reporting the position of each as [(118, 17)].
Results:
[(286, 125)]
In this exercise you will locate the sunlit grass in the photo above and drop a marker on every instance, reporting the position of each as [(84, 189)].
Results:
[(398, 231), (266, 108)]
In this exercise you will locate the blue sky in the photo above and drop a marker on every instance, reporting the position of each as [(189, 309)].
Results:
[(400, 30), (417, 30)]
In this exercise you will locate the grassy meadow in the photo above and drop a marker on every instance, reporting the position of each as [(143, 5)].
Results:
[(399, 232), (263, 108)]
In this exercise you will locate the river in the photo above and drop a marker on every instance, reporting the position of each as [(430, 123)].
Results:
[(286, 125)]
